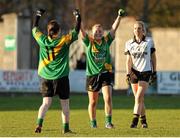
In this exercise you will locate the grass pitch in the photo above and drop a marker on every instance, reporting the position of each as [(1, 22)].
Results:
[(18, 116)]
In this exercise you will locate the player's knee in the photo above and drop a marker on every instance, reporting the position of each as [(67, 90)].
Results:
[(92, 103), (46, 104), (107, 100), (138, 99)]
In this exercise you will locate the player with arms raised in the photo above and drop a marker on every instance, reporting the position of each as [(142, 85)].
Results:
[(99, 69), (54, 67)]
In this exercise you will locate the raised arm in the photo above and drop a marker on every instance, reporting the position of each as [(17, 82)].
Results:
[(37, 34), (115, 25), (83, 32), (39, 13), (80, 26), (78, 20)]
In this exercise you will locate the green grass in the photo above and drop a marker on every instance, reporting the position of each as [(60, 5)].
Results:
[(18, 116)]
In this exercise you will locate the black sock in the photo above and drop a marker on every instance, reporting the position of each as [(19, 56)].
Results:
[(143, 119), (135, 119), (136, 115)]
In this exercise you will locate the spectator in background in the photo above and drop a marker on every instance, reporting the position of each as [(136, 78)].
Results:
[(81, 63), (54, 68), (140, 67)]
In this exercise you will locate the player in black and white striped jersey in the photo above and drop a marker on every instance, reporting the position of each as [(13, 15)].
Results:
[(140, 67)]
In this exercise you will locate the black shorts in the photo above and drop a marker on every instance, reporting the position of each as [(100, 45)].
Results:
[(61, 87), (96, 82), (136, 76)]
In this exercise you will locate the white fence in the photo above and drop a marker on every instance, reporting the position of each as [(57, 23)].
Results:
[(19, 81), (28, 81), (168, 82)]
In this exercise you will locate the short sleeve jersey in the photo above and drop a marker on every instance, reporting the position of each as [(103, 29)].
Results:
[(98, 55), (140, 53), (54, 54)]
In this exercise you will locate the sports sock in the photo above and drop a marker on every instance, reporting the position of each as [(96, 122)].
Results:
[(136, 115), (93, 123), (108, 119), (135, 119), (66, 126), (143, 119), (39, 121)]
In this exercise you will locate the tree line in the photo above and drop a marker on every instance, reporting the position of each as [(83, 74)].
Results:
[(156, 13)]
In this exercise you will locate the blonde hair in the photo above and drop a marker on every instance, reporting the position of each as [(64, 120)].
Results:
[(143, 26)]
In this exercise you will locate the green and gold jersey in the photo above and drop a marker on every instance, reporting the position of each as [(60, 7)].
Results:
[(54, 54), (98, 55)]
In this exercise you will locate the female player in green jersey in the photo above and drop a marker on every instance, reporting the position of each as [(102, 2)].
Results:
[(99, 69), (54, 67)]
